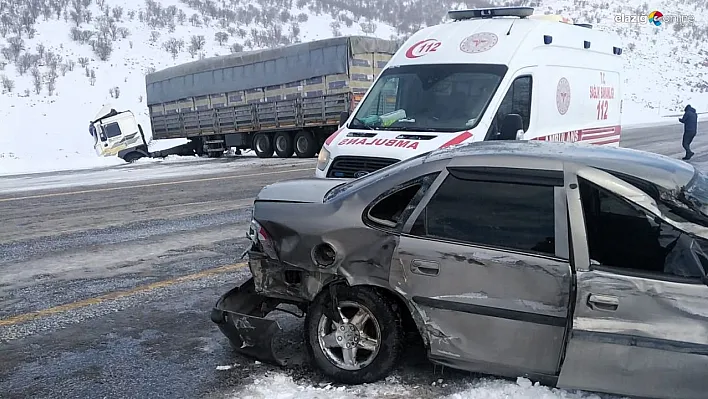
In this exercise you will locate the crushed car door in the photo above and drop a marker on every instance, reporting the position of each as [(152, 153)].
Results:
[(483, 261), (640, 323)]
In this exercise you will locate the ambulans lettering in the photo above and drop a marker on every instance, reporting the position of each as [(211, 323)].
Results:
[(571, 136), (422, 48), (408, 144)]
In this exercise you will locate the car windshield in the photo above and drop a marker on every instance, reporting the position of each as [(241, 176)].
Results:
[(438, 97), (357, 184)]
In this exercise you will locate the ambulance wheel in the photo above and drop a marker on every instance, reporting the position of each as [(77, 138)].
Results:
[(263, 145), (284, 145), (365, 347), (305, 144)]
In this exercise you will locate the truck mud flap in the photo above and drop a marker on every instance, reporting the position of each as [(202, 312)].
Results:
[(240, 315)]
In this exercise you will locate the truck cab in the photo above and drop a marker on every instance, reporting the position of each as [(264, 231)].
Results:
[(116, 132), (489, 74)]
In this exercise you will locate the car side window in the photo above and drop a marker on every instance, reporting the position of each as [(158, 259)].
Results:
[(624, 236), (497, 214), (390, 206), (517, 101)]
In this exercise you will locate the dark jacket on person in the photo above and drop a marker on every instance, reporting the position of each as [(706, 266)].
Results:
[(689, 120)]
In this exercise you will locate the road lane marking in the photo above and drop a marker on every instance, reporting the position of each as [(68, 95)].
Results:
[(22, 318), (169, 183)]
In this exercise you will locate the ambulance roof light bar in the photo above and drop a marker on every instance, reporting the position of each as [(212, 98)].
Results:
[(475, 13)]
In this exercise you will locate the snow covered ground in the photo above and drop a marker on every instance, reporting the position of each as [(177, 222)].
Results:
[(280, 386), (665, 65)]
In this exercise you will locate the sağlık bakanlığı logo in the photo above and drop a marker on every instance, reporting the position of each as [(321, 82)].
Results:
[(655, 17)]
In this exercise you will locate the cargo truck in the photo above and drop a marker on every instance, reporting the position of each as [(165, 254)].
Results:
[(280, 101)]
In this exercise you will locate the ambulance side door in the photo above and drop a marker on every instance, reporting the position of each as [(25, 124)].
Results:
[(518, 98)]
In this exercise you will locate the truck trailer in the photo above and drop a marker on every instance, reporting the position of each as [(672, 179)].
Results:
[(280, 101)]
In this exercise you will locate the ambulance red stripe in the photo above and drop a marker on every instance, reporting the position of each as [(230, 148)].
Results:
[(597, 135), (457, 139), (333, 136)]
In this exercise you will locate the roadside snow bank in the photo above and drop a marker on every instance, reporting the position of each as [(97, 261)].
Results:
[(280, 386), (523, 389)]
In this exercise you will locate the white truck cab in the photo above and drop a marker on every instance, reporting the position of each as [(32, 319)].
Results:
[(117, 133), (489, 74), (114, 132)]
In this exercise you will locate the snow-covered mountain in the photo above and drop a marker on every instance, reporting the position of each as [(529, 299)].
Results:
[(61, 60)]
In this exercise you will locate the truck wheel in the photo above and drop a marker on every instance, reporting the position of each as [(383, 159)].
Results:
[(365, 347), (305, 145), (263, 146), (132, 157), (284, 145)]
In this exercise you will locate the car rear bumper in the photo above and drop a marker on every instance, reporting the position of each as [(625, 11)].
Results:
[(240, 315)]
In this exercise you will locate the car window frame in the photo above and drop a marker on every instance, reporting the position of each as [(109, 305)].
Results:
[(504, 174), (627, 272), (425, 180), (581, 260)]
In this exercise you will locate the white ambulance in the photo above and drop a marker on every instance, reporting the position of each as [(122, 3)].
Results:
[(489, 74)]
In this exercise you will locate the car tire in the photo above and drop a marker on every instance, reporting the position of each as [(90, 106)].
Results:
[(382, 329), (263, 145), (305, 144), (284, 145)]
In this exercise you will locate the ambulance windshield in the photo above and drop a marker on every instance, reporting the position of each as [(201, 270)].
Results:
[(435, 97)]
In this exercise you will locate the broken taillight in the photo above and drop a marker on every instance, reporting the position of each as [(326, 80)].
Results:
[(261, 239)]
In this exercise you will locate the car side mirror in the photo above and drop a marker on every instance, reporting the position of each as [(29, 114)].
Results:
[(103, 137), (343, 116), (512, 127)]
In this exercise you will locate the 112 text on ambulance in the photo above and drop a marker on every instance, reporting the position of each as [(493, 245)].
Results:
[(602, 94)]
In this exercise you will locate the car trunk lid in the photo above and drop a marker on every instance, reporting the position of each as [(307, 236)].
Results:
[(309, 190)]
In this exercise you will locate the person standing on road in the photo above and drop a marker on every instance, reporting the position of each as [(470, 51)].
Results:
[(690, 122)]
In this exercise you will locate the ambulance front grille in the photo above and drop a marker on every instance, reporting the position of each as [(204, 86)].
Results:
[(352, 167)]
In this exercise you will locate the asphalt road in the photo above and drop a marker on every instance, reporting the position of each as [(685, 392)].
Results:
[(105, 289)]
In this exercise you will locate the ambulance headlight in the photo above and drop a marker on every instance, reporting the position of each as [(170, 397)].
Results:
[(322, 159)]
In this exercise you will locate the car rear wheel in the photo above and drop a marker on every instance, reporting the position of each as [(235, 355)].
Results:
[(365, 347)]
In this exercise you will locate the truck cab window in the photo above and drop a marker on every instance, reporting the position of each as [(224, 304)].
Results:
[(111, 130), (622, 235), (516, 101)]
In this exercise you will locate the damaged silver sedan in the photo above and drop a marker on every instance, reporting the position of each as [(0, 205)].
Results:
[(577, 266)]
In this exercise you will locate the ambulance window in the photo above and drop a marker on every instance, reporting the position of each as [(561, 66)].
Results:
[(112, 130), (385, 99), (517, 101)]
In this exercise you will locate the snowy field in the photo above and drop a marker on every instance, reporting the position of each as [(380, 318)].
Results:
[(42, 131)]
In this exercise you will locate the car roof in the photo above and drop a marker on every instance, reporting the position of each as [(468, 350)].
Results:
[(660, 170)]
